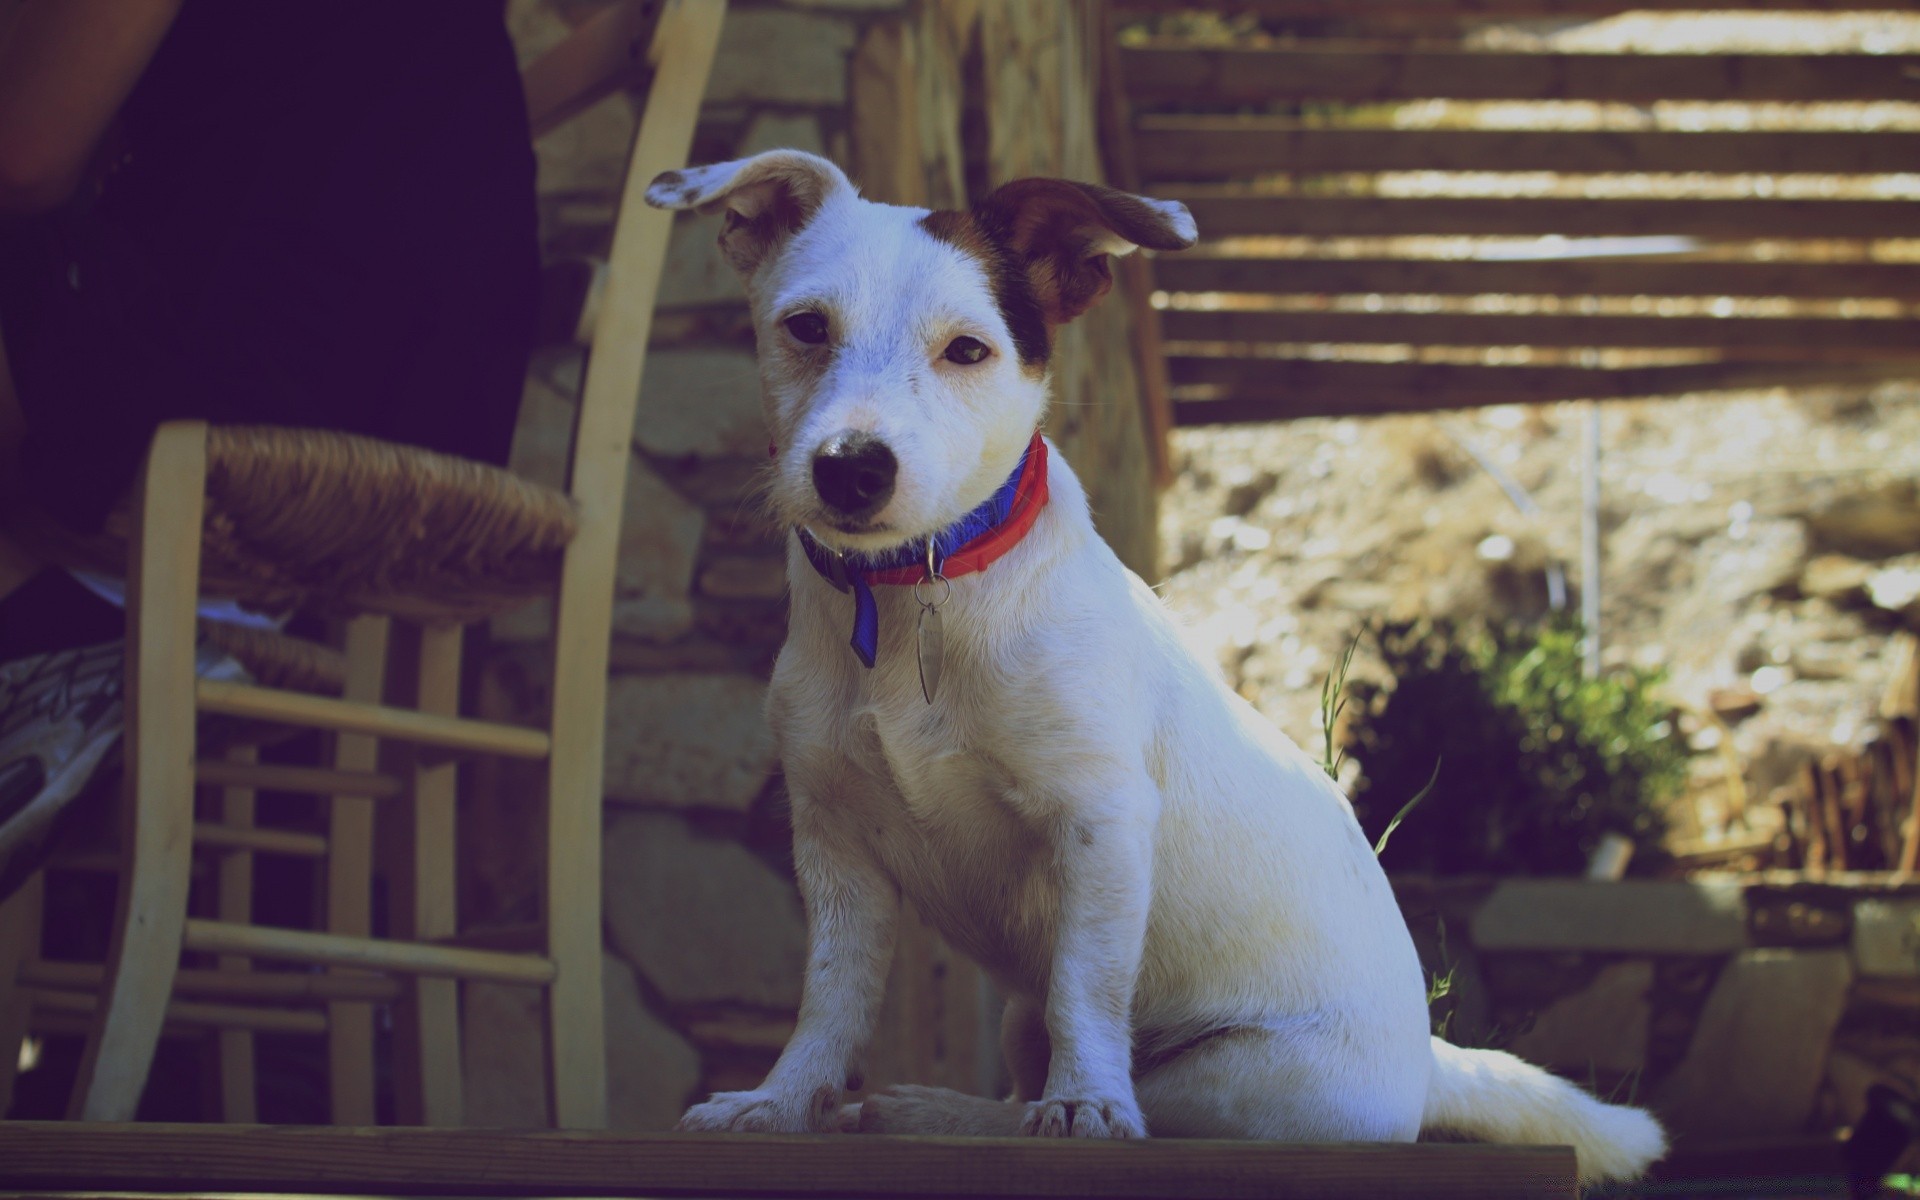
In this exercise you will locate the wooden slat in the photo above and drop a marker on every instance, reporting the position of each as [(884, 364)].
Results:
[(325, 712), (1254, 389), (267, 841), (1784, 336), (490, 1162), (606, 54), (316, 781), (1223, 212), (373, 954), (1447, 277), (188, 1012), (1228, 75), (1503, 8), (1230, 147), (230, 985)]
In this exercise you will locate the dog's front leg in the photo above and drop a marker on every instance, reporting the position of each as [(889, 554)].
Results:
[(851, 908), (1105, 858)]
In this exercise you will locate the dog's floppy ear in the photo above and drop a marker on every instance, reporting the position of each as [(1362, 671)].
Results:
[(767, 198), (1061, 233)]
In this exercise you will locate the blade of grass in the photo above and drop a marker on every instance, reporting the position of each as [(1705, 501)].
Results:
[(1407, 808), (1333, 702)]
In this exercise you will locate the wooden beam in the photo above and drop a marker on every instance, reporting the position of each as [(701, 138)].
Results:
[(1227, 212), (349, 716), (403, 1161), (1572, 277), (1227, 391), (373, 954), (1790, 337), (1363, 71), (1362, 9), (1234, 147)]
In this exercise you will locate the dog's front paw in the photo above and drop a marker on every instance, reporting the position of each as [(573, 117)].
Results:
[(1072, 1116), (763, 1112)]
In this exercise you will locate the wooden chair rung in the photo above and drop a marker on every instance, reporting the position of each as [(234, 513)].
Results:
[(285, 986), (190, 1012), (346, 716), (372, 954), (266, 841), (312, 781)]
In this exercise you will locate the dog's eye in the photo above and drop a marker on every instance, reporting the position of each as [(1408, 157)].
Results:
[(966, 351), (809, 327)]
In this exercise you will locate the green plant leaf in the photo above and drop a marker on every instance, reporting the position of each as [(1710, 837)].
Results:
[(1407, 808)]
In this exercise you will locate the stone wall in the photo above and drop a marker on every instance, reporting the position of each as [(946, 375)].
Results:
[(926, 102), (1737, 1007)]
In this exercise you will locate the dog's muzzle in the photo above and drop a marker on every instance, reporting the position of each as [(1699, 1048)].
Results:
[(854, 473)]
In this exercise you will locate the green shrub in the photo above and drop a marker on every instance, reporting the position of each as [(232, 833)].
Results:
[(1537, 762)]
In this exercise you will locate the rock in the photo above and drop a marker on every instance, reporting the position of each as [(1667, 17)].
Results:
[(768, 55), (745, 577), (689, 741), (1768, 558), (695, 273), (781, 131), (503, 1056), (1760, 1049), (659, 541), (701, 919), (1246, 488), (1633, 916), (1781, 922), (1603, 1028), (701, 402), (1877, 521), (1896, 587), (1834, 577), (1734, 703), (652, 1071), (1886, 938)]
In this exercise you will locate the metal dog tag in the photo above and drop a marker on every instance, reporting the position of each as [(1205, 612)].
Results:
[(933, 649), (932, 634), (837, 572)]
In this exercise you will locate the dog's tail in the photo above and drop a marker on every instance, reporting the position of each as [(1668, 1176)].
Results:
[(1493, 1096)]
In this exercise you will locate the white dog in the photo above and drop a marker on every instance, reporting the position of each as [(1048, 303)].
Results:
[(1195, 935)]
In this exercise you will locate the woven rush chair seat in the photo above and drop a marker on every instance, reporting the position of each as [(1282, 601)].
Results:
[(308, 520)]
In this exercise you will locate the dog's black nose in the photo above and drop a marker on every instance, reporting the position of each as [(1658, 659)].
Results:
[(854, 473)]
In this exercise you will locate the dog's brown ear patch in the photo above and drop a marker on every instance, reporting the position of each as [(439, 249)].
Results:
[(1060, 234), (766, 198)]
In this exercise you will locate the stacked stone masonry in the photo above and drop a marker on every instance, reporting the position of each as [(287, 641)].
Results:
[(1736, 1007)]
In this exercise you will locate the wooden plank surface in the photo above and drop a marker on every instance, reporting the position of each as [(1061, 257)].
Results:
[(1359, 71), (1226, 391), (1228, 212), (401, 1161), (1780, 336), (1228, 147), (1358, 9), (1566, 277), (607, 53)]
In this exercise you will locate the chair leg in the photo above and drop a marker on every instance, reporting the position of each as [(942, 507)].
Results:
[(431, 1016), (684, 48), (19, 945), (350, 879), (238, 1094), (157, 843)]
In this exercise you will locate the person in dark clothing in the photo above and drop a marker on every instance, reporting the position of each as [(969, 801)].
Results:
[(298, 212)]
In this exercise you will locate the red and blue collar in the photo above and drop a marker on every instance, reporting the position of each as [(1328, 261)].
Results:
[(970, 544)]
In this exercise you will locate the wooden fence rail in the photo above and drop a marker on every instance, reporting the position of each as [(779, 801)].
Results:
[(1367, 72)]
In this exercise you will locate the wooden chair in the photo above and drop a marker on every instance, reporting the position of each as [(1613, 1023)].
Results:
[(303, 519)]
